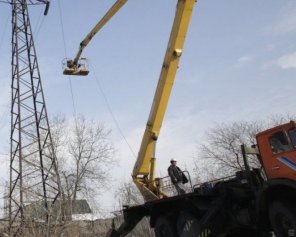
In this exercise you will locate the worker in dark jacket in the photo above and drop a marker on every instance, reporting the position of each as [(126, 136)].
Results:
[(176, 176)]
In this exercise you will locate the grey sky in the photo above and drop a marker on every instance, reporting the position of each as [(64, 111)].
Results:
[(239, 63)]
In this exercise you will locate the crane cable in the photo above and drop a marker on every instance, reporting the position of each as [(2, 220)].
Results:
[(65, 49), (110, 110)]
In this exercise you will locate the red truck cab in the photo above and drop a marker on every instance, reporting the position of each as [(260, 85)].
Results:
[(276, 199), (277, 148)]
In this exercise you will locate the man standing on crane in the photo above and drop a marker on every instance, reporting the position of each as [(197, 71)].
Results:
[(177, 177)]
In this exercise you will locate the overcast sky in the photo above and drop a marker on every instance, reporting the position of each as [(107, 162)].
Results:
[(239, 63)]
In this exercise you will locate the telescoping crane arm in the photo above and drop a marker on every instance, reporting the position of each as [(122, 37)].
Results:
[(78, 66), (144, 169)]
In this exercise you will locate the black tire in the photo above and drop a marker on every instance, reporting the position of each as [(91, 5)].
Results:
[(164, 227), (282, 216), (188, 225)]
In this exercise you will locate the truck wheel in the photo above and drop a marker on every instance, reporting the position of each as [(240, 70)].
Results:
[(188, 225), (282, 216), (164, 228)]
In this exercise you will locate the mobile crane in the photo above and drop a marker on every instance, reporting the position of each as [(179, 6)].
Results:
[(253, 202)]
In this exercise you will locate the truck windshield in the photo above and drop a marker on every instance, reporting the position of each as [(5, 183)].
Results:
[(292, 134), (279, 142)]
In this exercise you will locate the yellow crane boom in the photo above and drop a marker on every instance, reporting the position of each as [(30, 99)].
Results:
[(144, 169), (77, 66)]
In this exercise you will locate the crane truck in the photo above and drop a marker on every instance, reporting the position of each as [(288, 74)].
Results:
[(253, 202)]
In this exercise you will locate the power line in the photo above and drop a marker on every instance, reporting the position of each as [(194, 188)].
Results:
[(65, 50), (110, 111), (3, 116), (99, 86), (62, 26), (4, 31), (39, 24), (37, 28)]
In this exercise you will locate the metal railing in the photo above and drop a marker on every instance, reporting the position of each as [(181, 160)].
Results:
[(209, 185), (165, 185)]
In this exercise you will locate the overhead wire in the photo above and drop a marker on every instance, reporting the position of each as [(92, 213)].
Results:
[(99, 86), (4, 31), (36, 3), (110, 110), (6, 105), (65, 50), (39, 24), (37, 27), (4, 115), (38, 20)]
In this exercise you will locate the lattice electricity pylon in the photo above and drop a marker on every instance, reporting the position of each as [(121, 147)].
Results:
[(34, 180)]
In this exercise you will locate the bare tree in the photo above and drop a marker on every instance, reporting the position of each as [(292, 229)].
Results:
[(220, 154), (128, 194), (92, 157), (85, 156), (278, 119)]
